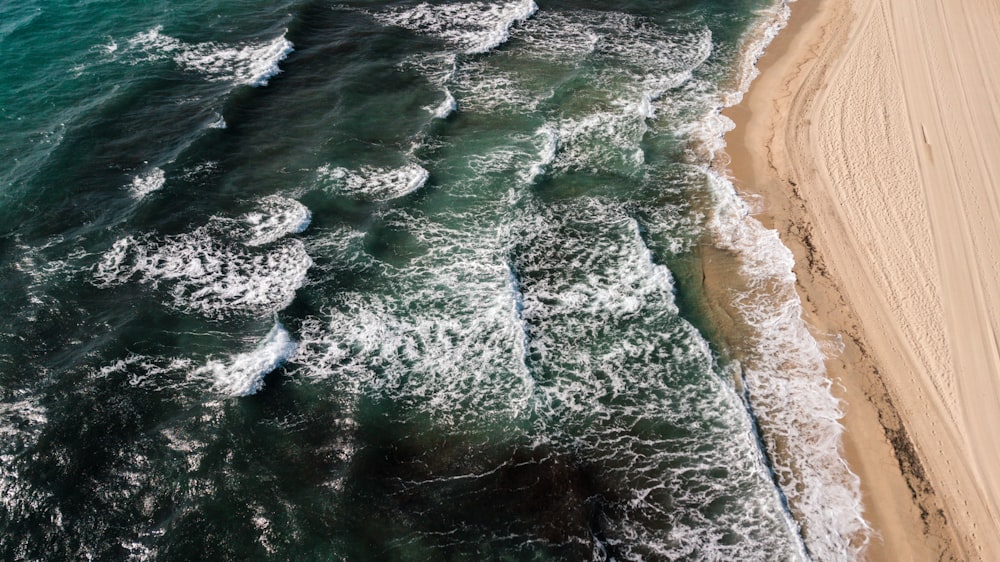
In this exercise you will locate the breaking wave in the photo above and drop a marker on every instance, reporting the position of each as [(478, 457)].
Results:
[(473, 27), (251, 64)]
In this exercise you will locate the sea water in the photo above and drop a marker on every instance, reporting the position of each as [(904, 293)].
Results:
[(374, 280)]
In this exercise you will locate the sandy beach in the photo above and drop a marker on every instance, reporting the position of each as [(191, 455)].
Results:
[(871, 135)]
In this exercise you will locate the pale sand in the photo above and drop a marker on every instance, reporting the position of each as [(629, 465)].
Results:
[(873, 134)]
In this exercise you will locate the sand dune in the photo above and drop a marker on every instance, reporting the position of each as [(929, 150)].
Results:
[(874, 135)]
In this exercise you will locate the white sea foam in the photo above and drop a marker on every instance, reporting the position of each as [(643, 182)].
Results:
[(243, 374), (155, 373), (255, 276), (454, 360), (557, 321), (617, 277), (788, 386), (559, 316), (602, 141), (522, 346), (475, 27), (528, 157), (147, 182), (481, 87), (445, 108), (641, 61), (138, 552), (606, 371), (376, 184), (447, 335), (438, 68), (251, 64), (772, 21), (561, 36), (647, 62), (199, 170), (218, 123), (643, 45), (265, 528), (637, 55), (199, 273), (276, 218), (784, 370), (548, 138)]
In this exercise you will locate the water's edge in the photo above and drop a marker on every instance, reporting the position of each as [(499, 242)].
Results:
[(766, 268)]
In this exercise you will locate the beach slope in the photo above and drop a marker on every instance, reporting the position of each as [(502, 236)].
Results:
[(872, 135)]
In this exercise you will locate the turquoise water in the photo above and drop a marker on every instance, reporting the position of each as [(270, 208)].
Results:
[(389, 281)]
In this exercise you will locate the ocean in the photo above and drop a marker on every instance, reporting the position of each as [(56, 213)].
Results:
[(387, 280)]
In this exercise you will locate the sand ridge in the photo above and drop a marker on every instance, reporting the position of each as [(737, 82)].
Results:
[(869, 134)]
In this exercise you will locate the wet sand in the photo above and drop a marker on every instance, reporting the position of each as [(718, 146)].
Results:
[(869, 135)]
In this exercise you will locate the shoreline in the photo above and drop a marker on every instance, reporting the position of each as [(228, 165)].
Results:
[(812, 84), (891, 505), (747, 276)]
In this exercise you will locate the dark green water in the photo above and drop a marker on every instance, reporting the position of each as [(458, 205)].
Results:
[(391, 281)]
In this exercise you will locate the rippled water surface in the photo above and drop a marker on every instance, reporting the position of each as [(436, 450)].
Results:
[(391, 281)]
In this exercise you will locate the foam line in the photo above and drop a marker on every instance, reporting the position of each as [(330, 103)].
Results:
[(785, 371)]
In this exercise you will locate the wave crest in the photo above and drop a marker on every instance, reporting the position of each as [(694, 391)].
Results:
[(474, 28), (251, 64)]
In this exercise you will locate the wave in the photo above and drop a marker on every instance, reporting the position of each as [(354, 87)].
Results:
[(445, 335), (445, 108), (615, 354), (203, 272), (148, 182), (376, 184), (13, 21), (218, 123), (638, 57), (476, 27), (604, 140), (549, 138), (252, 64), (788, 386), (276, 218), (639, 61), (243, 374), (561, 36), (556, 320), (481, 88)]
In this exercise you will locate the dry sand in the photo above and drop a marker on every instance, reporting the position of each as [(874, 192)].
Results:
[(873, 134)]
